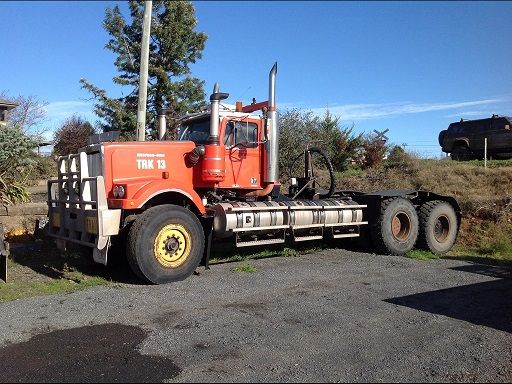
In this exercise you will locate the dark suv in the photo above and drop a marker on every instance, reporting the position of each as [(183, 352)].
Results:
[(465, 139)]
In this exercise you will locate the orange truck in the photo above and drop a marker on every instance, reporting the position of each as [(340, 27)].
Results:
[(219, 179)]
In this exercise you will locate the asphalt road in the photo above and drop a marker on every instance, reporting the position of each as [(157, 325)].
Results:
[(329, 316)]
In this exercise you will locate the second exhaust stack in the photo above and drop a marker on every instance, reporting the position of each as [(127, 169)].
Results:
[(272, 144)]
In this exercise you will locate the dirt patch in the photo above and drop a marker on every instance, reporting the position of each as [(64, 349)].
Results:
[(92, 354)]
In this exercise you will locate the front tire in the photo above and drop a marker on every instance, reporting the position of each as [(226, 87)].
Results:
[(396, 229), (165, 244), (461, 153), (438, 226)]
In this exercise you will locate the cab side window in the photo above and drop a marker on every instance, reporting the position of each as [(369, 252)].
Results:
[(241, 133)]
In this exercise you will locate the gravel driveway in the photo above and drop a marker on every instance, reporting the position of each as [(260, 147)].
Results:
[(333, 316)]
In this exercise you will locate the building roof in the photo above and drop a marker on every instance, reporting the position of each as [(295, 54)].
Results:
[(8, 104)]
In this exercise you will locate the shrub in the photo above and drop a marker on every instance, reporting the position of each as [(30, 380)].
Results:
[(44, 167), (16, 158), (72, 135), (12, 193), (374, 150), (298, 129), (16, 149)]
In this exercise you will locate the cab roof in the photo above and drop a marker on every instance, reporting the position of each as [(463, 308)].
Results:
[(225, 110)]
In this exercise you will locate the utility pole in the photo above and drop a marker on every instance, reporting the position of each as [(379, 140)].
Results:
[(143, 77)]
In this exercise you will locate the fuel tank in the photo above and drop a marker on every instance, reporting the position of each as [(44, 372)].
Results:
[(296, 214)]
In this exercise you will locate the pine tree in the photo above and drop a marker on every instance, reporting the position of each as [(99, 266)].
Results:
[(339, 142), (174, 45)]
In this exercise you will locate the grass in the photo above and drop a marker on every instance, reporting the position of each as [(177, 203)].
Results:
[(485, 238), (246, 268), (227, 252), (22, 289), (419, 254), (483, 241), (263, 253), (491, 163), (351, 171)]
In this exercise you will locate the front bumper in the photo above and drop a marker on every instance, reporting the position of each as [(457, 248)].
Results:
[(78, 211)]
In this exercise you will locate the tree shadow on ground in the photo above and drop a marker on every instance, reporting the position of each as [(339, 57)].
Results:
[(43, 257), (488, 303)]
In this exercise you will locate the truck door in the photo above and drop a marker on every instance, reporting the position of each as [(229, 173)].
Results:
[(243, 154), (500, 136), (477, 131)]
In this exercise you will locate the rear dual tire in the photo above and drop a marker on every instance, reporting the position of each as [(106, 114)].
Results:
[(438, 226), (396, 230), (400, 227)]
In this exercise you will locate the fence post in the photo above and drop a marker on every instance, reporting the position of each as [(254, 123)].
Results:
[(485, 153), (4, 253)]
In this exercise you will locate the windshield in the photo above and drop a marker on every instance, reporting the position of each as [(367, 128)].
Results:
[(197, 131)]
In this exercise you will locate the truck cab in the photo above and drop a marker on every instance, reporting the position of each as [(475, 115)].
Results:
[(242, 139)]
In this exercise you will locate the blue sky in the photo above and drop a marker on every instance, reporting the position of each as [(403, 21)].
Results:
[(410, 67)]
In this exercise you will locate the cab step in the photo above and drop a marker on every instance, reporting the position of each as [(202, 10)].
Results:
[(259, 242)]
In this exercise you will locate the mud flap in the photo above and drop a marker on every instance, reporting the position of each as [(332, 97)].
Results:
[(207, 223), (100, 255), (4, 253)]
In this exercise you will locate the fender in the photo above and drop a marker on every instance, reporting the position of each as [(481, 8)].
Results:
[(464, 140), (156, 187), (373, 200)]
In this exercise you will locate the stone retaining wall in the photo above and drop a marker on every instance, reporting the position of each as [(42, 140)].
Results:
[(23, 218)]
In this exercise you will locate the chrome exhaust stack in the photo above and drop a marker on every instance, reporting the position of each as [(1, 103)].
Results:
[(214, 160), (272, 144), (215, 99)]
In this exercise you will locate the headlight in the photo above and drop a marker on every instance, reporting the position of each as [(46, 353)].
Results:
[(119, 191)]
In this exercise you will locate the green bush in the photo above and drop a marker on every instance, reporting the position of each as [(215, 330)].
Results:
[(300, 129), (45, 167), (12, 193), (16, 149), (17, 158)]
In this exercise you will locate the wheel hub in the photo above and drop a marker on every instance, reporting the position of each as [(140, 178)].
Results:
[(401, 226), (172, 245), (441, 228)]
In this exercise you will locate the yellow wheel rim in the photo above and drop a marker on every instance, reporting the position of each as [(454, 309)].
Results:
[(172, 245)]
